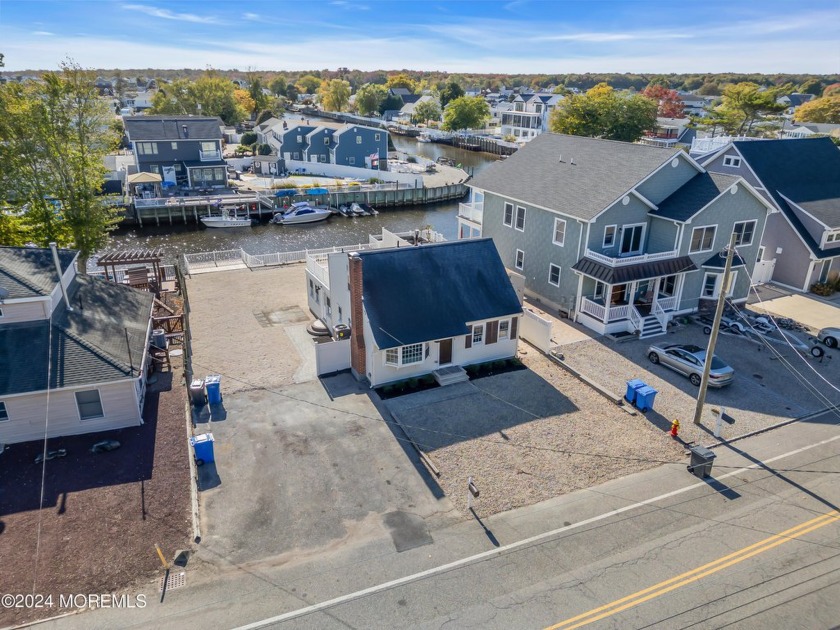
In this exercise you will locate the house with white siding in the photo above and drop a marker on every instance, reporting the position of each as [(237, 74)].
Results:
[(73, 349)]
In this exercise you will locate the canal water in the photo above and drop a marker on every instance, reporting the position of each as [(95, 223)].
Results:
[(175, 240)]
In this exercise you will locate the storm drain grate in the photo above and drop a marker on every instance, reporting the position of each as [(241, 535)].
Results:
[(172, 581)]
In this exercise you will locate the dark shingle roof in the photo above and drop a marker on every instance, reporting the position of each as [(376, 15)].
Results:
[(690, 198), (629, 273), (144, 128), (806, 172), (30, 272), (86, 346), (719, 261), (603, 170), (416, 294)]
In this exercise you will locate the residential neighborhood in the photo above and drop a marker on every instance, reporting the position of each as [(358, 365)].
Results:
[(484, 315)]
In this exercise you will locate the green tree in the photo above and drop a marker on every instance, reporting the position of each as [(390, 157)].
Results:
[(60, 181), (401, 80), (811, 86), (292, 93), (369, 97), (255, 91), (466, 112), (391, 102), (308, 84), (13, 232), (743, 104), (820, 110), (334, 95), (215, 95), (603, 113), (426, 111), (264, 115), (248, 138), (710, 88), (278, 86), (450, 92)]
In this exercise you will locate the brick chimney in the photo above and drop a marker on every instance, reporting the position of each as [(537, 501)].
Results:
[(358, 364)]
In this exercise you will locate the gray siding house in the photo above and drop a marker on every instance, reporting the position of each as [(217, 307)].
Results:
[(356, 145), (73, 349), (621, 236), (183, 150), (801, 180), (346, 145)]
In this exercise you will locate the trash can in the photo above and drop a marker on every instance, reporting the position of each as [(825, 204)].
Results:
[(159, 338), (632, 386), (701, 461), (203, 447), (644, 398), (213, 383), (197, 395)]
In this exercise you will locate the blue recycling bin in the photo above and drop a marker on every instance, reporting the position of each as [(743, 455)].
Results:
[(644, 398), (632, 386), (203, 446), (213, 383)]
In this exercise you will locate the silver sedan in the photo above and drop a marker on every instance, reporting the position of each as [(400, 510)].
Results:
[(829, 336), (689, 361)]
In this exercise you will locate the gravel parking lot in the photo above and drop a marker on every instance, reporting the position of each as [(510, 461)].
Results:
[(767, 390)]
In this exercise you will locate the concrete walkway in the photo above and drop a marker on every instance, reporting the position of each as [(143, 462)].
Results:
[(812, 311)]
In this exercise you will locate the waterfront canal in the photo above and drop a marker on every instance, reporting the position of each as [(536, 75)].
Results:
[(338, 230)]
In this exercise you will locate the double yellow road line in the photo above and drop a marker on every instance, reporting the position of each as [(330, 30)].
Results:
[(688, 577)]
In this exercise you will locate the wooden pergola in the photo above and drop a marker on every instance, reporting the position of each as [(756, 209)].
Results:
[(131, 257)]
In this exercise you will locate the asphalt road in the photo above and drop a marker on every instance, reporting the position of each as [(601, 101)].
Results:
[(756, 546)]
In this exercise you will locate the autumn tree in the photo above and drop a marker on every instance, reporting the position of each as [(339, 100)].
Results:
[(308, 84), (369, 97), (670, 105), (811, 86), (466, 112), (831, 90), (450, 92), (401, 80), (821, 110), (334, 95), (743, 104), (56, 134), (209, 95), (603, 113), (426, 111), (244, 102)]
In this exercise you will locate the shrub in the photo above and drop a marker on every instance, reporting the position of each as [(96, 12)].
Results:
[(248, 138), (376, 180), (412, 383), (499, 365), (822, 288), (264, 149)]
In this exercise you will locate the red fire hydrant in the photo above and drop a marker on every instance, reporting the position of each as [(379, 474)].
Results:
[(675, 428)]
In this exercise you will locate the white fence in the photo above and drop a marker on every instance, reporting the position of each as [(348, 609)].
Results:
[(332, 356), (238, 258), (536, 330), (413, 180)]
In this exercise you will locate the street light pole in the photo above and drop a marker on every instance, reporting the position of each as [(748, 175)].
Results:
[(710, 350)]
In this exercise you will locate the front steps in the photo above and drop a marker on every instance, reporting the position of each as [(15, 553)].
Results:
[(450, 375)]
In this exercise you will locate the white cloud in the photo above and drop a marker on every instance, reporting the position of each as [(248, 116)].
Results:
[(166, 14), (345, 4), (250, 16), (44, 33)]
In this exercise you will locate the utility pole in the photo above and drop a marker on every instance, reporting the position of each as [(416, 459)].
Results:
[(710, 350)]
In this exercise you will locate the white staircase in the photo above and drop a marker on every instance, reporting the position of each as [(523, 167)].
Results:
[(651, 327), (450, 374)]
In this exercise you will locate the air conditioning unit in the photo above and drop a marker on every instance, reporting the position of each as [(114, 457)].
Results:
[(341, 331)]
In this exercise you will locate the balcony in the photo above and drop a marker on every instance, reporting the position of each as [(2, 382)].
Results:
[(317, 266), (209, 156), (623, 261), (471, 212)]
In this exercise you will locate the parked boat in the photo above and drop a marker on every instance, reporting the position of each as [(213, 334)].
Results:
[(368, 209), (424, 137), (301, 212), (227, 220), (356, 209), (344, 209)]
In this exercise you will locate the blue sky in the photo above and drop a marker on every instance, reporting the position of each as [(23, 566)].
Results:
[(512, 36)]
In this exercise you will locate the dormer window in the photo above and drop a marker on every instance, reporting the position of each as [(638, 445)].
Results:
[(732, 160), (833, 237)]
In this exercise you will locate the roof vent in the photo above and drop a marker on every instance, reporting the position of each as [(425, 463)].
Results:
[(561, 158), (571, 160), (186, 131)]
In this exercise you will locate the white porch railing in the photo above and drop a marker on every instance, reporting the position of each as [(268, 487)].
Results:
[(667, 303), (619, 312), (629, 260), (233, 258), (660, 315), (209, 156), (317, 266), (473, 212), (635, 317), (593, 308)]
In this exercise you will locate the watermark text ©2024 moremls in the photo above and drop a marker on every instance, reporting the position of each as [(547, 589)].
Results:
[(72, 600)]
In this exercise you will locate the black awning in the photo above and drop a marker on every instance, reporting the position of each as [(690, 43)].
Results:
[(629, 273), (719, 261)]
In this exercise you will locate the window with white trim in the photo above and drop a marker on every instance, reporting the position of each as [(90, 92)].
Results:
[(328, 304), (520, 219), (554, 275), (326, 140), (609, 236), (712, 282), (744, 232), (147, 148), (520, 259), (89, 404), (351, 160), (358, 139), (376, 137), (599, 289), (4, 414), (508, 218), (404, 355), (295, 155), (300, 139), (702, 239), (478, 334), (174, 146), (731, 160), (559, 237), (833, 237), (504, 329)]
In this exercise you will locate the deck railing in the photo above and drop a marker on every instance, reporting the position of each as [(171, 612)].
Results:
[(233, 258), (471, 211), (593, 308), (629, 260)]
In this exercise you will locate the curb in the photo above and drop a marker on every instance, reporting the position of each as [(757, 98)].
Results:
[(196, 524), (778, 425)]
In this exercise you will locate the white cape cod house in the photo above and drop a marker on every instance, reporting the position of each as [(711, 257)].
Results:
[(73, 349), (620, 236)]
